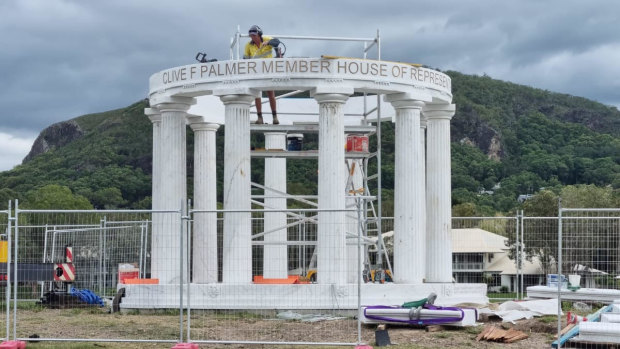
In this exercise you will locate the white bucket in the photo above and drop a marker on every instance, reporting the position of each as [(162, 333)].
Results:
[(574, 280)]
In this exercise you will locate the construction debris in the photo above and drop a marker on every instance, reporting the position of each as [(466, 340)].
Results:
[(496, 334)]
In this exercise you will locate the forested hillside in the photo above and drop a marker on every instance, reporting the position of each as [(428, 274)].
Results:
[(507, 140)]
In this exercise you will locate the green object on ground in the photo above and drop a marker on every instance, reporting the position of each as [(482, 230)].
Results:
[(415, 304)]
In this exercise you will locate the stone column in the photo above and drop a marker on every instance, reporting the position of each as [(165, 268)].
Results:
[(170, 190), (421, 174), (275, 262), (237, 253), (409, 196), (204, 246), (155, 116), (331, 243), (355, 187), (438, 193)]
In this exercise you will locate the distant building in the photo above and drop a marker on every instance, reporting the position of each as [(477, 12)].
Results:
[(524, 197), (479, 256)]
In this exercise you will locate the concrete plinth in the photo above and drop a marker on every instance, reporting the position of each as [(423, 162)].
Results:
[(312, 296), (409, 193), (169, 190), (331, 251), (275, 262), (438, 192), (237, 253), (204, 247)]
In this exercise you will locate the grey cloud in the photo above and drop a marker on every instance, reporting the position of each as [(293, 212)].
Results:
[(64, 58)]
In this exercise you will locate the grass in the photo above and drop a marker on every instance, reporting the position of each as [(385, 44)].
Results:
[(509, 295)]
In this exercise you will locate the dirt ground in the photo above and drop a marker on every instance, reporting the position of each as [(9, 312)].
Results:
[(96, 323)]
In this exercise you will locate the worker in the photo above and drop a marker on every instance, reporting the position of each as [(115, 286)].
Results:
[(258, 47)]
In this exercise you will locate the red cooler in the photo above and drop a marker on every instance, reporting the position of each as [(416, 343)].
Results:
[(357, 143)]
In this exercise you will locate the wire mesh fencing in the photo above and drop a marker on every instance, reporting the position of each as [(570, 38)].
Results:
[(303, 280), (487, 250), (588, 280), (78, 263)]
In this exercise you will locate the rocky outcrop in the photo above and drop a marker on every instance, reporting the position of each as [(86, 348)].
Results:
[(55, 136), (467, 127)]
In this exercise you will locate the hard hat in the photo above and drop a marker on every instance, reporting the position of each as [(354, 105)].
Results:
[(255, 30)]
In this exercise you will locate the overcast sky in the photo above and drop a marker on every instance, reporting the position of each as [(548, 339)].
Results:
[(64, 58)]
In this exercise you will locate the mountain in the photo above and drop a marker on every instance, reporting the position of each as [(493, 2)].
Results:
[(507, 140)]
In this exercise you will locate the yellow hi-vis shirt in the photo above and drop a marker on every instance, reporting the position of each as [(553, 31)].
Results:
[(253, 51)]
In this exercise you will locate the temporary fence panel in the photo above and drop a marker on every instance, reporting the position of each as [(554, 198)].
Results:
[(590, 267), (90, 256), (280, 286), (5, 231), (540, 241), (486, 250)]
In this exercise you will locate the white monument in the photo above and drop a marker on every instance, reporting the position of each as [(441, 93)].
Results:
[(422, 100)]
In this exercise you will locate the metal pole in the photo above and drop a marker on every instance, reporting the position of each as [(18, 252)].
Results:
[(303, 257), (518, 256), (359, 274), (379, 191), (189, 230), (105, 253), (238, 38), (44, 254), (8, 273), (52, 254), (140, 273), (522, 253), (181, 275), (146, 244), (559, 261), (101, 257), (15, 281)]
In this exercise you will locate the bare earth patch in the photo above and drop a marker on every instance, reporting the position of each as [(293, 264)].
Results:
[(95, 323)]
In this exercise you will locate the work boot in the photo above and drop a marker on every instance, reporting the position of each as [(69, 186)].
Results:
[(259, 121), (275, 118)]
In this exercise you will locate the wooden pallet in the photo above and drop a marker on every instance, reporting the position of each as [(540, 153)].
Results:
[(496, 334)]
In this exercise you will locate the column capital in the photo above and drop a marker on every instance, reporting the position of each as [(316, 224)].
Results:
[(245, 99), (404, 100), (275, 134), (439, 111), (197, 123), (237, 95), (172, 103), (153, 114), (204, 127), (331, 94)]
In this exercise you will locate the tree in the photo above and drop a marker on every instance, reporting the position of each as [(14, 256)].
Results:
[(56, 197), (467, 209), (6, 195), (108, 198), (589, 196), (543, 204)]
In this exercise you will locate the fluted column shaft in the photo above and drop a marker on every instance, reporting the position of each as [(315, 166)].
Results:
[(204, 246), (155, 116), (170, 191), (275, 262), (331, 244), (409, 196), (438, 193), (353, 170), (237, 254)]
